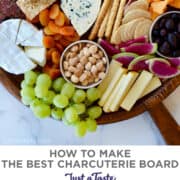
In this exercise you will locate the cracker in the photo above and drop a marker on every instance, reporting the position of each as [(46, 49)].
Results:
[(99, 20), (119, 17), (104, 24), (31, 8), (112, 18)]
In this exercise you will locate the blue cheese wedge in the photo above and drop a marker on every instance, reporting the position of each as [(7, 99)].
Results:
[(82, 13)]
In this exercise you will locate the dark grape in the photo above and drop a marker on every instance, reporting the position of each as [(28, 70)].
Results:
[(162, 22), (155, 32), (163, 32), (165, 48)]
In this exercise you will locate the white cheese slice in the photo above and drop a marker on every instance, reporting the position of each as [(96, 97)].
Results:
[(136, 91), (121, 90), (112, 85), (82, 13), (26, 32), (113, 67), (12, 58), (153, 85), (37, 54), (10, 28), (35, 41)]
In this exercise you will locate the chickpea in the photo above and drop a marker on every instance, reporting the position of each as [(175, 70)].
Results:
[(86, 51), (93, 49), (73, 61), (88, 66), (74, 79), (67, 74), (65, 65), (72, 69), (75, 49), (99, 66), (92, 60), (83, 77), (101, 75), (83, 60)]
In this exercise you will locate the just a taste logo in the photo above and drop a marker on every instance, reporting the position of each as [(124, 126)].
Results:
[(92, 176)]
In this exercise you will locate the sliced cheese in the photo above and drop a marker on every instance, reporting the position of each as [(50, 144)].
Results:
[(112, 85), (137, 90), (113, 67), (26, 32), (10, 28), (37, 54), (81, 13), (36, 40), (153, 85), (122, 90), (13, 59)]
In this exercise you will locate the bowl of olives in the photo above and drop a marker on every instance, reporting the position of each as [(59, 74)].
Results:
[(165, 31)]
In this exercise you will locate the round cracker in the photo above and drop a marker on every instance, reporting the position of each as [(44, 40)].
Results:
[(140, 4), (134, 14), (142, 28)]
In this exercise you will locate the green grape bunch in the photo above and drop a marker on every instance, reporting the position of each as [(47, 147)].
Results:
[(61, 101)]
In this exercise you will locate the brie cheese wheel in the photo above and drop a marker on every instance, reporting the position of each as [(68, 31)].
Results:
[(82, 13), (10, 28), (37, 54), (12, 58), (15, 36)]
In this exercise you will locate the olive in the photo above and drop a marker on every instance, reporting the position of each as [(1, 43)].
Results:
[(175, 17), (169, 24), (158, 41), (165, 48), (163, 32), (162, 22), (176, 53), (155, 32), (172, 40), (156, 26)]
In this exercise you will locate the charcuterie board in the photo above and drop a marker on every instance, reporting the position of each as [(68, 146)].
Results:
[(151, 101)]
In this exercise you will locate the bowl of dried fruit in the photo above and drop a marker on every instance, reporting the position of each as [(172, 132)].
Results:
[(84, 63)]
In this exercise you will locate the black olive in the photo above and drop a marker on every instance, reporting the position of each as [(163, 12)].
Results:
[(170, 24), (176, 53), (162, 22), (156, 26), (163, 32), (165, 48), (158, 41), (155, 33), (172, 40)]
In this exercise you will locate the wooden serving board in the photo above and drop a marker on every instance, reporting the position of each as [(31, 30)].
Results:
[(152, 103)]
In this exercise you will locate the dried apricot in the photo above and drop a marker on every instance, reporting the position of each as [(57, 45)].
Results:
[(47, 31), (49, 53), (48, 42), (59, 47), (64, 42), (44, 17), (52, 72), (60, 19), (73, 38), (57, 37), (54, 11), (55, 57), (53, 27), (67, 31)]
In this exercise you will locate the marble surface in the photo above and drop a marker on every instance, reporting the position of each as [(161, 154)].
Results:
[(20, 127)]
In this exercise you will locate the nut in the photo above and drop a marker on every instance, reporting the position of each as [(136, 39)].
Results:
[(97, 56), (93, 49), (86, 51), (94, 70), (73, 61), (65, 65), (99, 66), (75, 49), (104, 60), (67, 74), (88, 66), (92, 60), (83, 77), (101, 54), (83, 60), (101, 75), (74, 79), (72, 69)]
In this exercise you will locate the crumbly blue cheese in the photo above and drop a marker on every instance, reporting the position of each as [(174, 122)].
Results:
[(82, 13)]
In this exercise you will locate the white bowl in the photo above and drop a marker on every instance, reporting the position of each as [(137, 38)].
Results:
[(62, 59)]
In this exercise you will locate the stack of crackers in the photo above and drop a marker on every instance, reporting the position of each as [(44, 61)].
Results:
[(109, 19)]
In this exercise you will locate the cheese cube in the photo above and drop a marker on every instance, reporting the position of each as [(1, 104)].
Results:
[(121, 90), (154, 84), (137, 90), (113, 67), (112, 85)]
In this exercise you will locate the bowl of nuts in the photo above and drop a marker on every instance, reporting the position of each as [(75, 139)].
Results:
[(84, 63)]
